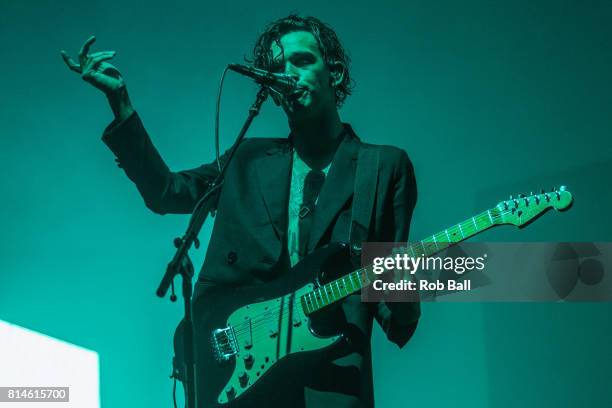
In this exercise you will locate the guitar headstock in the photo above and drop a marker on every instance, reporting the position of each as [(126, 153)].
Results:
[(523, 209)]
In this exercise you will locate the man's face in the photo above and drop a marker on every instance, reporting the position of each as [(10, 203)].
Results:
[(300, 57)]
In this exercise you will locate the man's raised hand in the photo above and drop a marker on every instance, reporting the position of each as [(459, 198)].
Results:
[(95, 70)]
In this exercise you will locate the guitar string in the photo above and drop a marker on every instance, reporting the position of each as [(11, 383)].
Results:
[(264, 318), (271, 316)]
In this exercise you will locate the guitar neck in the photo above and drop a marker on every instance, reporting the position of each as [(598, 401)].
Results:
[(353, 282)]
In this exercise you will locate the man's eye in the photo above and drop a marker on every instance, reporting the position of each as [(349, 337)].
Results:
[(303, 61)]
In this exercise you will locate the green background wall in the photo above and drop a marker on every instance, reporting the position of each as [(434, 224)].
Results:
[(489, 98)]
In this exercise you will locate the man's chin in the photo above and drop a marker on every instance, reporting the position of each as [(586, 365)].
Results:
[(298, 109), (301, 114)]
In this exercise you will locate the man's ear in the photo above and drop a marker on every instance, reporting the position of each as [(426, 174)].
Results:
[(336, 73)]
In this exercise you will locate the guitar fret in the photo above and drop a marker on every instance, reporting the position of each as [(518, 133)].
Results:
[(490, 218), (475, 226), (310, 302), (461, 230), (347, 284), (447, 236), (356, 277), (304, 302)]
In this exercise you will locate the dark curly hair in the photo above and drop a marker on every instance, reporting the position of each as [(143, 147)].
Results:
[(328, 41)]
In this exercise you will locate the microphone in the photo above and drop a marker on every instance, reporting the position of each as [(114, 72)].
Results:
[(281, 83)]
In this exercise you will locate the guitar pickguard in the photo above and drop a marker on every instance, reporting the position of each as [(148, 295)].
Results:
[(263, 333)]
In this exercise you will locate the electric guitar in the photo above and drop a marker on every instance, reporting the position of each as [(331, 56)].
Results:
[(260, 334)]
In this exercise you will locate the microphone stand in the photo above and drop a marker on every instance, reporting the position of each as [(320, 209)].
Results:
[(182, 265)]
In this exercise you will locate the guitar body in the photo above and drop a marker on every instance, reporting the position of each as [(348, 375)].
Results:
[(255, 343)]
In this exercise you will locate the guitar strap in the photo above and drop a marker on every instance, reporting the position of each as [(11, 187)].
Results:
[(364, 195)]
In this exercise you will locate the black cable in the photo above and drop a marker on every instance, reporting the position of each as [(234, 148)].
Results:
[(217, 109), (174, 393), (217, 153)]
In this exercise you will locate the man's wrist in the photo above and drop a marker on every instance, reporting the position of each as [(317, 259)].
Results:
[(120, 104)]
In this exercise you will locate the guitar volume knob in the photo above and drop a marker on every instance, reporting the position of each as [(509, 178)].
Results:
[(243, 378), (248, 360)]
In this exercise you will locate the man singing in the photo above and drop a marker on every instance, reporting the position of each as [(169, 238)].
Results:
[(282, 198)]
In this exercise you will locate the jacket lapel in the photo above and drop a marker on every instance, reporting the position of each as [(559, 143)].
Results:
[(273, 172), (337, 189)]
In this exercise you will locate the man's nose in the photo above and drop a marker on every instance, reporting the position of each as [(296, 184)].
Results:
[(291, 70)]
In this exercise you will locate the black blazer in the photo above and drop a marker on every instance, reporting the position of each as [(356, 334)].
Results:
[(249, 234)]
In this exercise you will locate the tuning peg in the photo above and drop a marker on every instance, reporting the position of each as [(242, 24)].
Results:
[(521, 195), (547, 197), (537, 200), (563, 188), (542, 191), (510, 196)]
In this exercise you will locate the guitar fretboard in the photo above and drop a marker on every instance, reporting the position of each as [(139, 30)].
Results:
[(353, 282)]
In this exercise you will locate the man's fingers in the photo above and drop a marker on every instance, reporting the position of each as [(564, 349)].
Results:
[(97, 54), (92, 58), (70, 62), (94, 61), (91, 77), (85, 48), (109, 70)]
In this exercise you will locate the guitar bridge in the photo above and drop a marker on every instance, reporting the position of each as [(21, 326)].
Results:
[(224, 343)]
